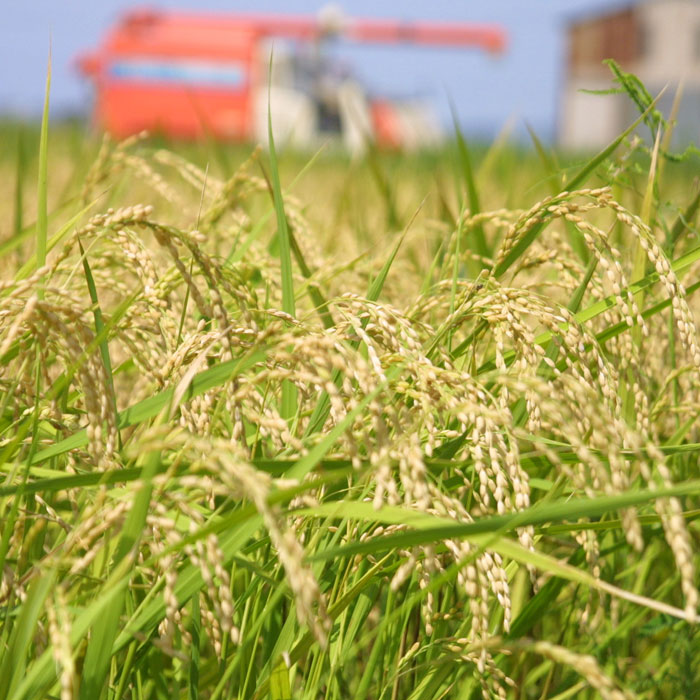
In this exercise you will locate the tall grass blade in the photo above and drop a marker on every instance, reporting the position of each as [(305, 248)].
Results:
[(288, 305), (152, 406), (15, 241), (684, 222), (279, 683), (289, 393), (99, 326), (383, 185), (322, 408), (195, 632), (42, 207), (551, 166), (18, 214), (680, 264), (480, 246), (105, 629), (14, 661), (579, 179), (429, 528), (63, 231), (319, 301), (496, 149), (549, 161)]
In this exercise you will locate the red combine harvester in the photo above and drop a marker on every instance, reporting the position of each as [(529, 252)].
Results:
[(185, 75)]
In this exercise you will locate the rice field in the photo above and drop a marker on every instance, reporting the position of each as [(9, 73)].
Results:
[(292, 426)]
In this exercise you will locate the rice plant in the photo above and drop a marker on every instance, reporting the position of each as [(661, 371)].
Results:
[(280, 432)]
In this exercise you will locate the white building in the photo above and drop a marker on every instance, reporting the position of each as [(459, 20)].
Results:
[(657, 40)]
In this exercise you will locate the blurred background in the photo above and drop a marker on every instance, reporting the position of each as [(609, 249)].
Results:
[(550, 52)]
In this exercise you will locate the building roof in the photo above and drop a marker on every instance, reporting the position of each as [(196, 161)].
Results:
[(612, 7)]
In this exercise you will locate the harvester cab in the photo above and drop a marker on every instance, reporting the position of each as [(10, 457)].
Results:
[(186, 75)]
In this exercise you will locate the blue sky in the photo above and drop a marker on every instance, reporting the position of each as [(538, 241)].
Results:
[(486, 91)]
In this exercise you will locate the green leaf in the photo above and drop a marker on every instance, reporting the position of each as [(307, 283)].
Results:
[(480, 246), (289, 393), (19, 186), (525, 241), (678, 265), (279, 682), (14, 659), (148, 408), (282, 226), (42, 208), (105, 628), (428, 528), (99, 327), (32, 263)]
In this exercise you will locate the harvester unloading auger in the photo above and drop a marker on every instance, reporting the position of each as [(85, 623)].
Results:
[(187, 75)]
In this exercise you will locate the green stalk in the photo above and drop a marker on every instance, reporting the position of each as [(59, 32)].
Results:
[(17, 224), (289, 392), (583, 174), (99, 329), (480, 244), (42, 208)]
